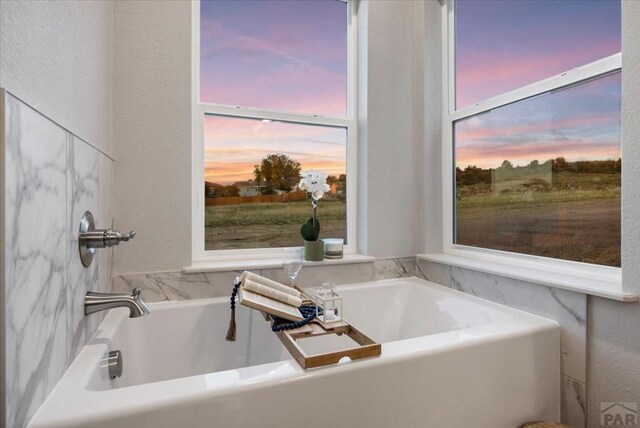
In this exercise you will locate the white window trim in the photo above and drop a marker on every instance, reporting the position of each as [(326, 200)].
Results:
[(593, 279), (201, 257)]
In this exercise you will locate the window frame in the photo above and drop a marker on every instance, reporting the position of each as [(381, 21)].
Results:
[(450, 115), (200, 109)]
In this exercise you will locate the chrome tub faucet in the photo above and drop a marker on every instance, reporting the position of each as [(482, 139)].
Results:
[(96, 302)]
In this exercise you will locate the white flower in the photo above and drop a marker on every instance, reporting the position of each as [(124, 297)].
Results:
[(314, 182)]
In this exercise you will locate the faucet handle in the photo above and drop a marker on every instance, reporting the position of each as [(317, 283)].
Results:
[(90, 238), (114, 237), (127, 236)]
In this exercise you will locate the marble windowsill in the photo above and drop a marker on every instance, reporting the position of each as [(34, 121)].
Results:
[(227, 265), (610, 289)]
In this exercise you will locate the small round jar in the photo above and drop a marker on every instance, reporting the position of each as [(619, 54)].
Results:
[(333, 248)]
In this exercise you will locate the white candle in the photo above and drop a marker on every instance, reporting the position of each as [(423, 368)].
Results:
[(333, 248)]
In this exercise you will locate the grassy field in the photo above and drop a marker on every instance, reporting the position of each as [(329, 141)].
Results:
[(574, 217), (269, 225), (577, 218)]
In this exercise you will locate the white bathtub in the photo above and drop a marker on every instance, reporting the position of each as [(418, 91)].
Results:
[(448, 360)]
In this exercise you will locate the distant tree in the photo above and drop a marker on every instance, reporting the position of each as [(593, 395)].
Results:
[(473, 175), (257, 173), (506, 164), (589, 166), (534, 164), (267, 191), (341, 185), (278, 170), (209, 192), (560, 164), (228, 191)]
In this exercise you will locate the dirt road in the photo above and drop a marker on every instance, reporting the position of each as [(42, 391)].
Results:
[(585, 231)]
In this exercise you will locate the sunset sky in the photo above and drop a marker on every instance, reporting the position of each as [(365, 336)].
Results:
[(503, 45), (233, 146), (291, 56), (578, 123), (278, 55)]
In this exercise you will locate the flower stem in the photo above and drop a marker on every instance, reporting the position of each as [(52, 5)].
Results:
[(315, 206)]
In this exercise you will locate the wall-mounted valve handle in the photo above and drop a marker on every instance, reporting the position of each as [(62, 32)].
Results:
[(91, 238), (113, 237)]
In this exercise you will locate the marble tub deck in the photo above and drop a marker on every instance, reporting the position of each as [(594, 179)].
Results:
[(176, 285)]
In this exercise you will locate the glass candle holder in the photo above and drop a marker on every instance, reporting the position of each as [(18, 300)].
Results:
[(333, 248), (328, 304)]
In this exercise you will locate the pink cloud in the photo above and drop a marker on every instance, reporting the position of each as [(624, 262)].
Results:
[(485, 74), (221, 130), (273, 71), (467, 133), (320, 91), (231, 40)]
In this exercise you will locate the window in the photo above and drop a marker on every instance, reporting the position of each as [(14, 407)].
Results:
[(535, 129), (273, 96)]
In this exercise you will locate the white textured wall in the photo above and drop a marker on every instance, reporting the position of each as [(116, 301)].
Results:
[(430, 172), (614, 328), (152, 133), (630, 146), (57, 57), (614, 353), (391, 132)]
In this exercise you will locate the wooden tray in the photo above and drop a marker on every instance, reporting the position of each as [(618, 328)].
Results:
[(367, 347)]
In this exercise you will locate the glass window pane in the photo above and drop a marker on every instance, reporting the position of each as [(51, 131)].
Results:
[(275, 54), (503, 45), (542, 176), (251, 172)]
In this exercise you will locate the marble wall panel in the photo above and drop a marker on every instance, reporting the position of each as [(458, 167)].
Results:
[(35, 258), (51, 178)]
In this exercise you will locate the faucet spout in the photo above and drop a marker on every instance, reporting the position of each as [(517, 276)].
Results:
[(96, 302)]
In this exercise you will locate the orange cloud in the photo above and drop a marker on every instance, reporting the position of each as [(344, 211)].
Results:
[(491, 156), (234, 146)]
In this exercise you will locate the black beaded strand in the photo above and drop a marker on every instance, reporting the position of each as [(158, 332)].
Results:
[(307, 311)]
